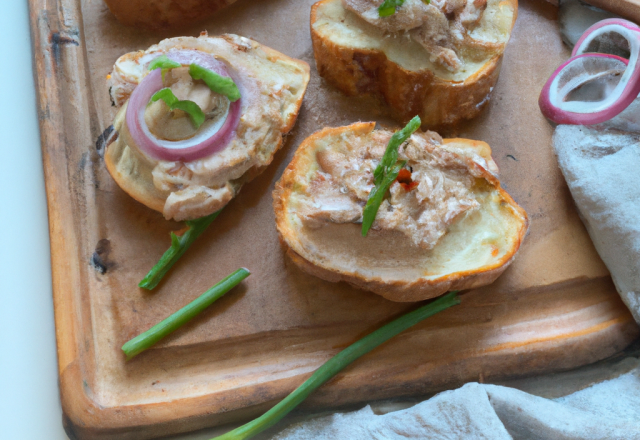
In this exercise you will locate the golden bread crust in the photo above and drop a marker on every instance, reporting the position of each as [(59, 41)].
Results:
[(402, 290), (398, 291), (164, 14), (439, 102), (130, 173)]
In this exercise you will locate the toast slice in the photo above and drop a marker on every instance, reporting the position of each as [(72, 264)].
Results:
[(361, 59), (273, 86), (454, 229)]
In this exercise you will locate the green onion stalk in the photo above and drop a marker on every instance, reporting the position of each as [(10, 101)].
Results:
[(152, 336), (334, 365), (179, 245)]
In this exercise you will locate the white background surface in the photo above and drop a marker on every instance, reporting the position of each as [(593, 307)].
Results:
[(29, 402)]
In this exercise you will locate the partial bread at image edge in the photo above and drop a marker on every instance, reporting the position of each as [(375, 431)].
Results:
[(439, 102), (395, 290), (164, 14)]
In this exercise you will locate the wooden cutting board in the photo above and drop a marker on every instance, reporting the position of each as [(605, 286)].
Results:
[(555, 308), (629, 9)]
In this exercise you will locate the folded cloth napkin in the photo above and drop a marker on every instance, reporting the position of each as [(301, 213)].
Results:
[(609, 410), (602, 168)]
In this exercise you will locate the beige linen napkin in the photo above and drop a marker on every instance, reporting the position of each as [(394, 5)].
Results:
[(609, 410), (602, 169)]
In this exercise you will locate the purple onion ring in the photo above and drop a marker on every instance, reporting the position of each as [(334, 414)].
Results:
[(203, 144)]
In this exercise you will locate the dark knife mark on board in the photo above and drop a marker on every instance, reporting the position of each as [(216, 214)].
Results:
[(104, 140), (100, 258), (57, 40)]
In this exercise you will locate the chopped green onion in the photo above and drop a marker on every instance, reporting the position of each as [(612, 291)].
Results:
[(191, 108), (376, 196), (217, 83), (334, 365), (385, 173), (179, 245), (181, 317), (388, 7), (163, 62)]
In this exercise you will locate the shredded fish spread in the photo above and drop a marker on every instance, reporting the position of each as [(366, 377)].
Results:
[(175, 125), (441, 188), (440, 26)]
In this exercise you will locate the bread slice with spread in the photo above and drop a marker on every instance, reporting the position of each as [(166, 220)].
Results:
[(161, 159), (445, 224), (439, 60)]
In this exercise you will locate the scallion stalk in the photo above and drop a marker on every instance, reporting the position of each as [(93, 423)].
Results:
[(149, 338), (179, 246), (334, 365)]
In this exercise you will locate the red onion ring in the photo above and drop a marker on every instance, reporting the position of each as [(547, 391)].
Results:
[(203, 144), (553, 103), (568, 78), (596, 32)]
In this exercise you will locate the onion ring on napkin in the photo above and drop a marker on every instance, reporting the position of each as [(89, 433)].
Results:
[(596, 83)]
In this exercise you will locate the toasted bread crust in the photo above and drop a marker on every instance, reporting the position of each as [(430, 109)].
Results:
[(164, 14), (395, 290), (419, 290), (139, 187), (439, 102), (274, 55)]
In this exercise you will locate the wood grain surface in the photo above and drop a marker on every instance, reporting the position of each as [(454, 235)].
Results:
[(555, 308), (629, 9)]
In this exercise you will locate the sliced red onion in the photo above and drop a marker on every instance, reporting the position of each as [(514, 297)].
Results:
[(209, 140), (596, 61), (581, 90), (186, 57), (611, 36)]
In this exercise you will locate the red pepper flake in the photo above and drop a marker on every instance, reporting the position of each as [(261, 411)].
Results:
[(404, 179)]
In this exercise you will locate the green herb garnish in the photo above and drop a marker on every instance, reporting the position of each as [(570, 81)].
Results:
[(163, 62), (388, 7), (191, 108), (149, 338), (334, 365), (179, 245), (217, 83), (385, 173)]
